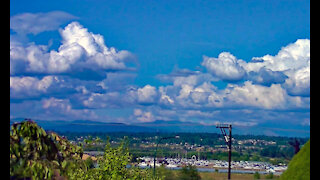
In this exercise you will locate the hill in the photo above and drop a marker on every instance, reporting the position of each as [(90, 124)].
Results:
[(162, 126), (299, 166), (87, 126)]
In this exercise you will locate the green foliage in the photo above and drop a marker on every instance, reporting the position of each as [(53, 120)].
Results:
[(276, 151), (256, 175), (269, 176), (36, 154), (165, 174), (299, 166), (114, 161), (89, 163), (114, 164), (189, 173)]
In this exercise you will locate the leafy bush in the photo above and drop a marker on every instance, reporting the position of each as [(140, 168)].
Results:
[(114, 164), (165, 174), (269, 176), (189, 172), (256, 175)]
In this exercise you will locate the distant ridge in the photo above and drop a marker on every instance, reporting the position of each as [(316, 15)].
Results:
[(87, 126), (178, 126), (96, 126), (164, 126)]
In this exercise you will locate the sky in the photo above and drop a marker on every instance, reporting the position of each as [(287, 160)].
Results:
[(240, 62)]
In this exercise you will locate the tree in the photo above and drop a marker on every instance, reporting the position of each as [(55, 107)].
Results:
[(296, 145), (189, 172), (89, 162), (165, 174), (256, 175), (269, 176), (37, 154), (114, 164)]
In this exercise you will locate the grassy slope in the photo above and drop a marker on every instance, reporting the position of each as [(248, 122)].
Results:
[(299, 166)]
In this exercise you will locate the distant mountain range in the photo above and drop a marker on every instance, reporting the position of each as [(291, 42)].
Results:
[(167, 126), (94, 126), (87, 126), (178, 126)]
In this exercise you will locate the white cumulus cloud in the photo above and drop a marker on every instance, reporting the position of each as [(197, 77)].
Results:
[(23, 87), (226, 67), (80, 49), (293, 61), (147, 94)]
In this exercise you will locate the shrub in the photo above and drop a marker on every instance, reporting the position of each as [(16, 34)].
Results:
[(189, 172), (256, 175), (269, 176)]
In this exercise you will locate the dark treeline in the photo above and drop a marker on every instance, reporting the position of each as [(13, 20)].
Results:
[(209, 139), (252, 147)]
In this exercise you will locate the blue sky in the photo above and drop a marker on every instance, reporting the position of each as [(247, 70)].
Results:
[(243, 62)]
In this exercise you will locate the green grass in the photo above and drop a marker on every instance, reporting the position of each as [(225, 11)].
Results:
[(299, 166), (174, 175)]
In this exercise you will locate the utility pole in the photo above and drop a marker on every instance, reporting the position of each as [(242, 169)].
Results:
[(228, 140)]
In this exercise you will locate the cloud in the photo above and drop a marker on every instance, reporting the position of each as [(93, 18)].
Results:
[(106, 100), (258, 96), (62, 107), (164, 98), (292, 61), (188, 94), (27, 87), (36, 23), (176, 73), (225, 67), (291, 57), (147, 94), (298, 83), (97, 53), (32, 87), (112, 98), (143, 116), (192, 80), (273, 97), (118, 81), (194, 96), (267, 77), (51, 109), (80, 51), (290, 68)]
